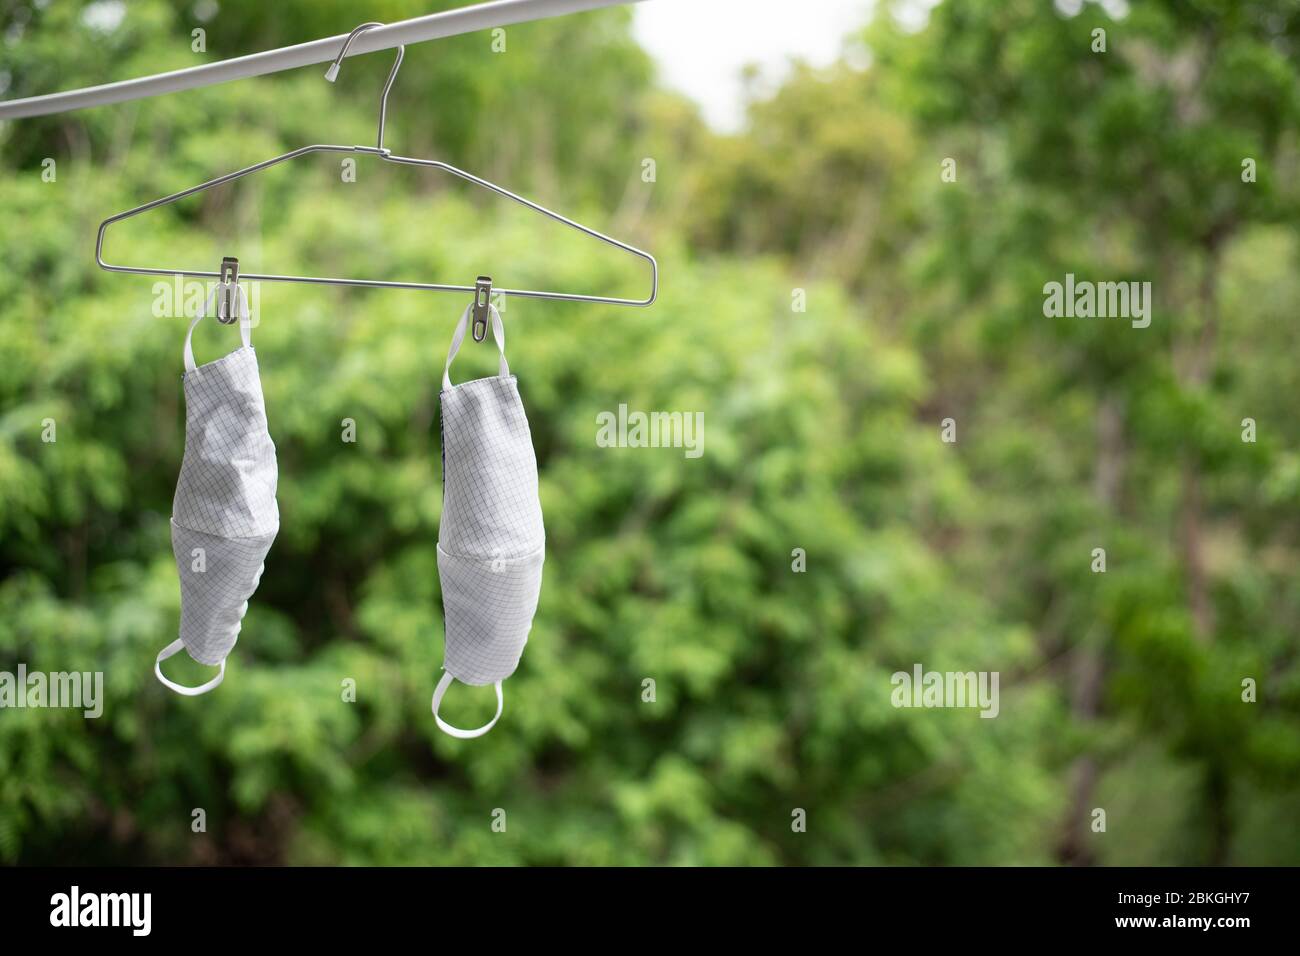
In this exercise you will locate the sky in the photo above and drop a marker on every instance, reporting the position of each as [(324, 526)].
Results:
[(701, 45)]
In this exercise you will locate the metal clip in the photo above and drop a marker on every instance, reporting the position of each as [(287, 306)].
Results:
[(229, 290), (482, 302)]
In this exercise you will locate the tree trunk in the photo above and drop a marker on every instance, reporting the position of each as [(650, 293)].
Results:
[(1088, 665), (1196, 375)]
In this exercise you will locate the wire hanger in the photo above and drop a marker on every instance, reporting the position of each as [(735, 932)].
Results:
[(482, 288)]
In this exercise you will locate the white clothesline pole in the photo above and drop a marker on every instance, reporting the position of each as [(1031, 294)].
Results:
[(482, 16)]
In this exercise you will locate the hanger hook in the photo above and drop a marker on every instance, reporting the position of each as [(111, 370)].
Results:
[(333, 72)]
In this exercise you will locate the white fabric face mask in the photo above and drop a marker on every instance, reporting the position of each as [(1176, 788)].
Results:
[(224, 515), (491, 543)]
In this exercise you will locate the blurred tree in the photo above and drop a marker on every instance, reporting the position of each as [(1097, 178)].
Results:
[(1116, 149)]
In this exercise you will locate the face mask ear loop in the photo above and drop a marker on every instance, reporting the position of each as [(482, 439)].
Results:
[(188, 353), (498, 333), (447, 728), (170, 650), (245, 324)]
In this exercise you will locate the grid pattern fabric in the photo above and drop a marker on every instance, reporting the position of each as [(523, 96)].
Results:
[(215, 599), (490, 503), (488, 607), (225, 502), (228, 475), (491, 543)]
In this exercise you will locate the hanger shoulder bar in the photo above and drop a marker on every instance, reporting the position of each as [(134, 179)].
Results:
[(385, 155), (481, 16)]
